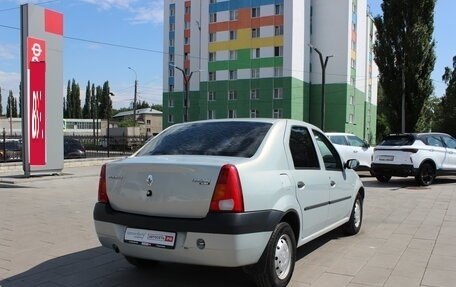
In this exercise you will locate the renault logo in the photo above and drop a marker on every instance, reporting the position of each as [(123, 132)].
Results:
[(150, 180)]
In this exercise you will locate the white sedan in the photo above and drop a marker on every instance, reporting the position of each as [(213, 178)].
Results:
[(352, 147), (244, 192)]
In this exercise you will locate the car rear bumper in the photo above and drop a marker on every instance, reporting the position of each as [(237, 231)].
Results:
[(230, 239), (403, 170)]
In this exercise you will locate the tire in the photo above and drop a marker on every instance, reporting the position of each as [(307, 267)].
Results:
[(140, 262), (383, 178), (353, 225), (426, 174), (276, 265)]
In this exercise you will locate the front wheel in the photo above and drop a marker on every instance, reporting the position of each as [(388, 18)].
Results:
[(426, 174), (276, 265)]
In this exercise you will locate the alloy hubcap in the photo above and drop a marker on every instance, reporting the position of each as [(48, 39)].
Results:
[(357, 214)]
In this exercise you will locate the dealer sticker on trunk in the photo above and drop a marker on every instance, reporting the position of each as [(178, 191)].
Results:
[(151, 238)]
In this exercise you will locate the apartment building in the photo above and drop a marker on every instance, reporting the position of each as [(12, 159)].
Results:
[(259, 58)]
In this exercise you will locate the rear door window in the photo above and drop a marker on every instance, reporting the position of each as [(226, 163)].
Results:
[(302, 148), (237, 139)]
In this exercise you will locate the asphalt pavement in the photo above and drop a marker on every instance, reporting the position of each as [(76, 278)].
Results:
[(47, 238)]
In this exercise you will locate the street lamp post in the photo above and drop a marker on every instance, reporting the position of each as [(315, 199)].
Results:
[(108, 115), (323, 79), (136, 93), (186, 89)]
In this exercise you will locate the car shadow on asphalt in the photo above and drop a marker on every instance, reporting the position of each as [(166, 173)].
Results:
[(101, 267)]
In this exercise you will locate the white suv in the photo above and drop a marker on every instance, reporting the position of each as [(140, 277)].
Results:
[(422, 155)]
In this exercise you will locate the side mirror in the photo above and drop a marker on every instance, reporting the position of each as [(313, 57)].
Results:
[(351, 164), (366, 144)]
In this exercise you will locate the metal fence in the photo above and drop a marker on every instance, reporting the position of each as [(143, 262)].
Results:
[(77, 146)]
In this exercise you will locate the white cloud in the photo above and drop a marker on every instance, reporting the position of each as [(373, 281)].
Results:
[(142, 12), (9, 51)]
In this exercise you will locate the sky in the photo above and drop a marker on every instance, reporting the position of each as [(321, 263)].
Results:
[(102, 38)]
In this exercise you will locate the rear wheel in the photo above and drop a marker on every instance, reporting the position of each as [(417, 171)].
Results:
[(426, 174), (353, 226), (276, 265), (140, 262), (383, 178)]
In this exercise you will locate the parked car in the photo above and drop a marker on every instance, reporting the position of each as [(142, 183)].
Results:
[(422, 155), (11, 150), (235, 192), (73, 148), (350, 146)]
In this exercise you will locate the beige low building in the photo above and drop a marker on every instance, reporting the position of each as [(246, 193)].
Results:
[(148, 120)]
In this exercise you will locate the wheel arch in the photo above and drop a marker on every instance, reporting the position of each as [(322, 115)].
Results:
[(292, 218), (428, 160)]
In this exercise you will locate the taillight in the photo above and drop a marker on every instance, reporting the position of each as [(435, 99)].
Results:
[(102, 193), (228, 192)]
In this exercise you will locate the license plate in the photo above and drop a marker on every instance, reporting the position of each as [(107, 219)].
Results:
[(386, 158), (153, 238)]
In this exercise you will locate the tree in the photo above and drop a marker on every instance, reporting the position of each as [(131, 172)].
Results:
[(404, 53), (87, 109), (448, 104), (11, 106), (73, 101)]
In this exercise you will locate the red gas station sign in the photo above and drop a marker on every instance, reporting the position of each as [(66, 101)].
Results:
[(36, 52)]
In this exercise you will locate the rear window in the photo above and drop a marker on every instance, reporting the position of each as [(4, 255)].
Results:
[(397, 140), (237, 139)]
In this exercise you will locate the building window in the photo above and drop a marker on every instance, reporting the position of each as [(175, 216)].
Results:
[(232, 114), (353, 44), (278, 51), (254, 113), (278, 30), (172, 11), (277, 113), (148, 122), (171, 73), (233, 74), (279, 9), (212, 76), (278, 72), (171, 57), (232, 95), (212, 17), (211, 96), (255, 73), (211, 114), (351, 118), (254, 94), (185, 56), (233, 35), (351, 100), (255, 12), (212, 57), (353, 63), (187, 25), (171, 119), (233, 55), (171, 88), (170, 102), (171, 27), (171, 42), (256, 53), (255, 32), (278, 94), (353, 26), (187, 9), (212, 37), (233, 15), (186, 40), (352, 81)]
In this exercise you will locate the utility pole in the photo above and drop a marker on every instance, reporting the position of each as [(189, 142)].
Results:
[(135, 96)]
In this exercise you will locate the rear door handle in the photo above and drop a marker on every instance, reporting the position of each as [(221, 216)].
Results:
[(332, 183), (301, 184)]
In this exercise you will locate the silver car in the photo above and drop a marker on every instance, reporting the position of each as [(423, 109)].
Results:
[(244, 192)]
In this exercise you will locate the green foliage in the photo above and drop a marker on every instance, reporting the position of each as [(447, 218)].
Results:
[(128, 122), (73, 102), (428, 116), (404, 53), (448, 105)]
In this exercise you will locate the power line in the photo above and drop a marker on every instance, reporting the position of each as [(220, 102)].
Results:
[(39, 3)]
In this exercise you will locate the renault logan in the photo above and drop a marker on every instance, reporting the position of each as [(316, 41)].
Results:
[(244, 192)]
